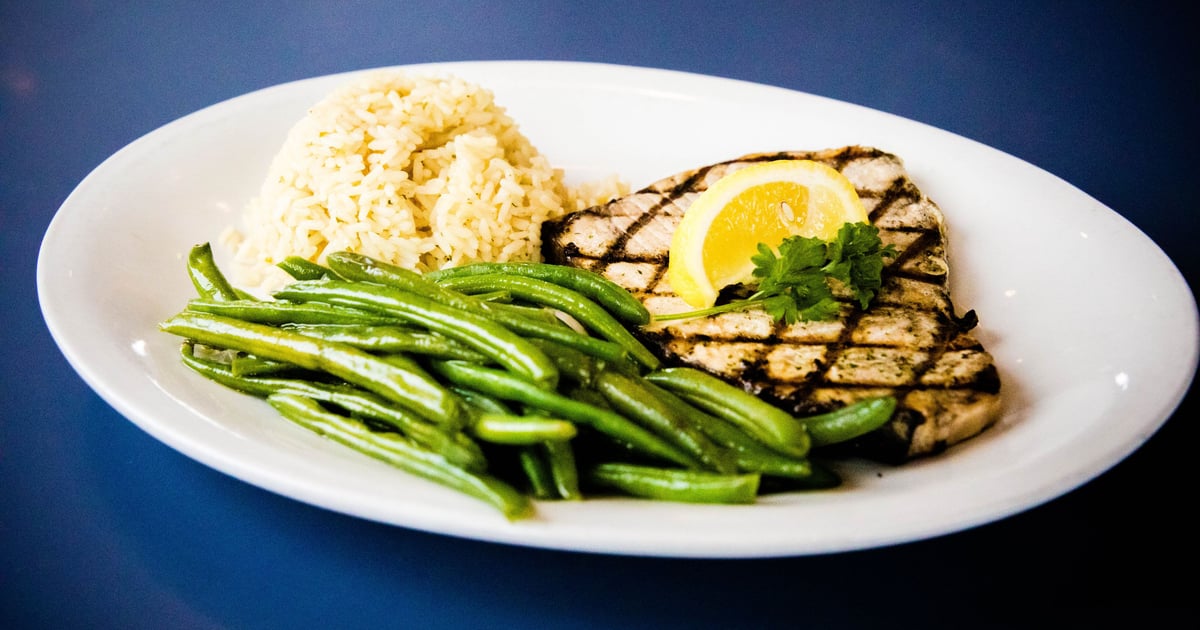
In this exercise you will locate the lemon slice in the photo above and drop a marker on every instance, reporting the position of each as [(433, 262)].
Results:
[(761, 203)]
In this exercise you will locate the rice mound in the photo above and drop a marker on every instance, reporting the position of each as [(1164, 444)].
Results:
[(423, 172)]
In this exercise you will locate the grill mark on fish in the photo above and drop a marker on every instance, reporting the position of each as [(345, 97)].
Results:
[(832, 354), (945, 381), (885, 200), (618, 245)]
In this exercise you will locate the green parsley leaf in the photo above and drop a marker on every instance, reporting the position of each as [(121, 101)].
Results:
[(855, 258), (794, 282)]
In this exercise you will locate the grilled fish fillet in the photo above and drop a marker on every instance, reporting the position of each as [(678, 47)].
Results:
[(910, 343)]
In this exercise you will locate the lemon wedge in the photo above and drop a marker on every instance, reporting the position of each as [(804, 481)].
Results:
[(761, 203)]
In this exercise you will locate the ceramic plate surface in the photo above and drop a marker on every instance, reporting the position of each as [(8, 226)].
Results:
[(1094, 357)]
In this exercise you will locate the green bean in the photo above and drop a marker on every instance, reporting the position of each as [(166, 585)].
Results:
[(397, 451), (587, 312), (301, 268), (613, 425), (353, 266), (609, 294), (563, 471), (558, 332), (481, 402), (363, 268), (770, 425), (821, 478), (576, 366), (457, 447), (536, 313), (507, 428), (589, 396), (389, 339), (752, 455), (672, 484), (412, 390), (250, 365), (851, 421), (453, 445), (206, 277), (629, 396), (475, 330), (536, 466), (501, 297), (280, 312), (406, 363), (223, 374)]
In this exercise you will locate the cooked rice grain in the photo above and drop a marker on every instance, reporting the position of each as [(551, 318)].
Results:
[(420, 171)]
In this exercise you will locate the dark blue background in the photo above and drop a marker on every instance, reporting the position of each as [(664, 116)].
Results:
[(103, 526)]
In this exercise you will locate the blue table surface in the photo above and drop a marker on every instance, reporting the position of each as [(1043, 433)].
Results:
[(102, 526)]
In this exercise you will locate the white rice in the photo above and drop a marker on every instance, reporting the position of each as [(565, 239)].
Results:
[(423, 172)]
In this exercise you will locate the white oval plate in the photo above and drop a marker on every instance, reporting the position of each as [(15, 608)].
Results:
[(1092, 327)]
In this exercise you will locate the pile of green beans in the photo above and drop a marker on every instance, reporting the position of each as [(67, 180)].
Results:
[(472, 378)]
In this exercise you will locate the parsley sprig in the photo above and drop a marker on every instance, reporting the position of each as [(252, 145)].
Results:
[(795, 284)]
